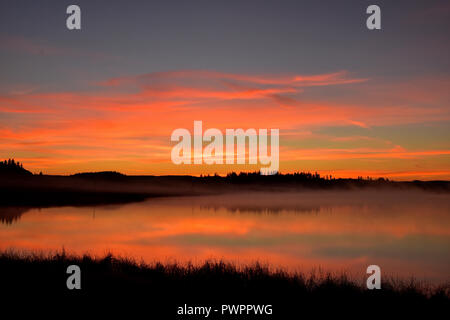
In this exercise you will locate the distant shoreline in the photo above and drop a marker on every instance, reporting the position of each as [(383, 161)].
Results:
[(113, 188)]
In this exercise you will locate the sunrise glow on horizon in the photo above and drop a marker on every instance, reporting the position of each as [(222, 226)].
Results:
[(108, 101)]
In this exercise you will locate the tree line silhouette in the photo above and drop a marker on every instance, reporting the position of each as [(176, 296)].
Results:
[(296, 178), (300, 179), (10, 166)]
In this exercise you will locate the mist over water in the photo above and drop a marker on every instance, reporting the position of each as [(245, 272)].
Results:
[(406, 233)]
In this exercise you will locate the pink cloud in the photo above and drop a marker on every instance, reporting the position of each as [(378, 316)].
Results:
[(130, 119)]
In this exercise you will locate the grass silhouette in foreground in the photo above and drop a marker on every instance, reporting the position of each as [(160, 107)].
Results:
[(166, 286)]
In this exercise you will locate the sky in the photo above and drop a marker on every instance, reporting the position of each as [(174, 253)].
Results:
[(348, 101)]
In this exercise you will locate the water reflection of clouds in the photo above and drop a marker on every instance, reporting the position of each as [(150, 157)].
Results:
[(406, 233)]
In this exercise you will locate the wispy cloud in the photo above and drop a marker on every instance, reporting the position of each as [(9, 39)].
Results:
[(129, 120), (200, 84)]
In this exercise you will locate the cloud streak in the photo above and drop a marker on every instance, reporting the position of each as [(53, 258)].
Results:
[(128, 120)]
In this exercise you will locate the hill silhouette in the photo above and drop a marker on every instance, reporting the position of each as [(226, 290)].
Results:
[(102, 175)]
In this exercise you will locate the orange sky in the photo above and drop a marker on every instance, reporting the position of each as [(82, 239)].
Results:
[(347, 101), (124, 124)]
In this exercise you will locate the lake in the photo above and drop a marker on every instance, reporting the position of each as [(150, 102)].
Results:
[(406, 233)]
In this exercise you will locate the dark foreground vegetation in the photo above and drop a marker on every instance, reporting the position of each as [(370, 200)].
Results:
[(110, 285), (19, 187)]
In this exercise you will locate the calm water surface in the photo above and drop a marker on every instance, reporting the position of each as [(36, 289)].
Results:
[(405, 233)]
